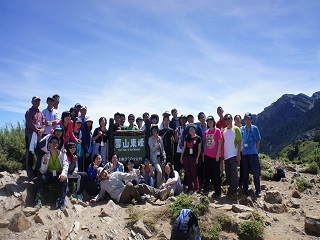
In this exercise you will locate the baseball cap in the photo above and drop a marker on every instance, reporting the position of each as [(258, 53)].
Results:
[(210, 118), (36, 98)]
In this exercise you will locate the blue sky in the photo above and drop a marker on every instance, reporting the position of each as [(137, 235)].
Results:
[(137, 56)]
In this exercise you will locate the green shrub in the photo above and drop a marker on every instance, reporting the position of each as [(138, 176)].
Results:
[(265, 165), (251, 230), (225, 221), (203, 205), (302, 184), (12, 148), (267, 175), (283, 160), (183, 201), (312, 168), (212, 232), (9, 165), (199, 204), (257, 216)]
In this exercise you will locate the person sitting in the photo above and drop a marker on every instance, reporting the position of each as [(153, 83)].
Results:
[(43, 146), (148, 172), (73, 174), (172, 179), (54, 168), (132, 170), (115, 165), (113, 183), (92, 184)]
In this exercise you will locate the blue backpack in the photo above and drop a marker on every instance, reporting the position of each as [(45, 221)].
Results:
[(186, 226)]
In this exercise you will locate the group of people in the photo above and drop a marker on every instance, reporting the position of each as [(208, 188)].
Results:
[(67, 150)]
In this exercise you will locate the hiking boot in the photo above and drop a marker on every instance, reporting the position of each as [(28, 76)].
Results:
[(258, 194), (164, 193)]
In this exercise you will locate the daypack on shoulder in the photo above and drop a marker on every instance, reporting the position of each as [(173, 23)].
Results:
[(186, 226)]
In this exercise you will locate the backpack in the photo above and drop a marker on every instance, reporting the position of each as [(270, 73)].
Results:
[(186, 226), (279, 173)]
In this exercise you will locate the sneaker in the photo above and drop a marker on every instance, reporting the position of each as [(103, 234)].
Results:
[(38, 203), (63, 204), (58, 203), (78, 196), (171, 194), (142, 199), (164, 193), (258, 194)]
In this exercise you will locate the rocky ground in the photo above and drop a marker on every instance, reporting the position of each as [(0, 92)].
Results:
[(287, 213)]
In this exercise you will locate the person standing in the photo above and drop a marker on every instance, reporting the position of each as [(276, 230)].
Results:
[(157, 152), (221, 124), (250, 147), (131, 126), (167, 135), (35, 127), (56, 99), (232, 150), (51, 116), (100, 139), (212, 152), (191, 157), (178, 166)]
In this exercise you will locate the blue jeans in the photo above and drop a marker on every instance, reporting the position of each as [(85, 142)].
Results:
[(251, 163), (149, 180)]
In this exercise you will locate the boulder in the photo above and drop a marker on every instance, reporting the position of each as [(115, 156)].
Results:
[(142, 229), (240, 208), (275, 208), (11, 203), (312, 225), (296, 194), (110, 209), (273, 197), (293, 203), (19, 223), (41, 218), (58, 231), (28, 211), (4, 223)]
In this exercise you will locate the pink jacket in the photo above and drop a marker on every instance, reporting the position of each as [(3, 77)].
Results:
[(68, 135)]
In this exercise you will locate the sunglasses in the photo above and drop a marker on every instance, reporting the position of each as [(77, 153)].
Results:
[(227, 118), (72, 147), (54, 142), (154, 130), (131, 119)]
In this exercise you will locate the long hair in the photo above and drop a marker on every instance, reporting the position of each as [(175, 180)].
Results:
[(105, 120), (171, 175), (65, 114)]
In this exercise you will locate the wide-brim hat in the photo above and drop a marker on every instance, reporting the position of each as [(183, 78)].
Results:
[(100, 170)]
